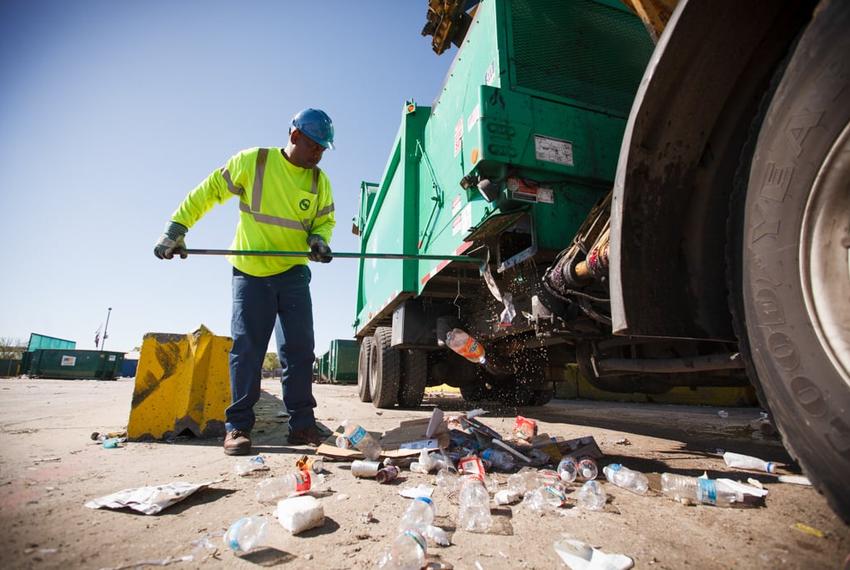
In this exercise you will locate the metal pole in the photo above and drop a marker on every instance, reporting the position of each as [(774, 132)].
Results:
[(106, 328), (336, 254)]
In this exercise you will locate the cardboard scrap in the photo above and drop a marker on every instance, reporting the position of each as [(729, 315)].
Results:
[(404, 441)]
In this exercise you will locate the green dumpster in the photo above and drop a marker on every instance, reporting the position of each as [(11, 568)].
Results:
[(342, 363), (74, 364)]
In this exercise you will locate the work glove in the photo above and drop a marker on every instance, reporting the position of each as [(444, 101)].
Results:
[(171, 242), (319, 250)]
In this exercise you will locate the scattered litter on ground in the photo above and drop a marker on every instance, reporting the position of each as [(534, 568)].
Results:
[(755, 483), (46, 459), (250, 466), (310, 463), (740, 461), (579, 555), (102, 436), (623, 441), (298, 514), (113, 442), (810, 530), (246, 534), (148, 500), (723, 414), (416, 491), (795, 480)]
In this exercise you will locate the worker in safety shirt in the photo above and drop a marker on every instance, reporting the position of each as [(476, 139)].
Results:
[(285, 203)]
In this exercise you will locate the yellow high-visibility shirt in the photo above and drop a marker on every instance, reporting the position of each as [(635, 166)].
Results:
[(280, 205)]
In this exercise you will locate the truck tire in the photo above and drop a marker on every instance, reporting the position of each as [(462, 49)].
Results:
[(413, 379), (364, 384), (795, 283), (384, 370)]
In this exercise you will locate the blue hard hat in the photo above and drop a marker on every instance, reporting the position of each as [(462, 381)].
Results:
[(316, 124)]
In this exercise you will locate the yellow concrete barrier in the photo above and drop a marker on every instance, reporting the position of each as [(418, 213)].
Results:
[(182, 383)]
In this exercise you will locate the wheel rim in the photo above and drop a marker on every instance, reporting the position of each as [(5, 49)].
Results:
[(825, 254)]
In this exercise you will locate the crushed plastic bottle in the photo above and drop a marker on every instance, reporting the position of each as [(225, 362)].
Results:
[(523, 481), (748, 462), (407, 552), (246, 534), (545, 497), (447, 480), (587, 469), (419, 514), (356, 436), (474, 502), (428, 462), (250, 465), (466, 346), (634, 481), (591, 496), (499, 459), (275, 488), (567, 470), (114, 442), (698, 490)]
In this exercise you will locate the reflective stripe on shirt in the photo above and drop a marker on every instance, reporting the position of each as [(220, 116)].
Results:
[(231, 187), (257, 197), (274, 220)]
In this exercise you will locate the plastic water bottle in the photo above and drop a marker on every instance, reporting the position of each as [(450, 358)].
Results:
[(246, 534), (523, 481), (419, 514), (360, 439), (748, 462), (634, 481), (545, 497), (567, 470), (447, 480), (275, 488), (499, 459), (251, 465), (407, 552), (591, 496), (698, 490), (474, 501), (466, 346), (587, 469)]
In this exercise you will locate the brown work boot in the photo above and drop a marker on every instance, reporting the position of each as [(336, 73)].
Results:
[(237, 442), (307, 436)]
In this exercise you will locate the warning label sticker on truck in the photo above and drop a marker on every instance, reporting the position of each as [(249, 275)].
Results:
[(68, 360), (462, 222), (553, 150), (458, 135)]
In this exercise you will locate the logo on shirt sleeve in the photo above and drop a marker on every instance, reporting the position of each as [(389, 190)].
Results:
[(304, 204)]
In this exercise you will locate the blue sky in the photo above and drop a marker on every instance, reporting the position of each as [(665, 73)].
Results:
[(111, 112)]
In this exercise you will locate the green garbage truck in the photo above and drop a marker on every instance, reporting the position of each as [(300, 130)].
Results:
[(656, 191)]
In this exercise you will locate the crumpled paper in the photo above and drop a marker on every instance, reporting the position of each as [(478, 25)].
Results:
[(148, 500)]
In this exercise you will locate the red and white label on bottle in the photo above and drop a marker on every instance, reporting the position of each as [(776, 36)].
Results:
[(472, 466), (302, 482)]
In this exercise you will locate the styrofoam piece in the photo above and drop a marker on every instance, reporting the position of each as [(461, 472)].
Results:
[(298, 514)]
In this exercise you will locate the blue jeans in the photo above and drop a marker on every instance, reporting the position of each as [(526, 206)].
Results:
[(257, 303)]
